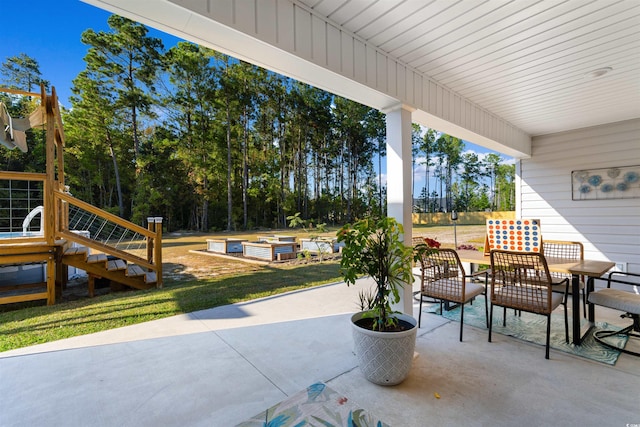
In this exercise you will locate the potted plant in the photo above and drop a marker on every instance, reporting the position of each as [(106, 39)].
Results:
[(384, 339)]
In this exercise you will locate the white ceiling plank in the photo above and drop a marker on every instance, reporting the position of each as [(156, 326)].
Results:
[(554, 71), (431, 35), (467, 42), (411, 19), (554, 35), (557, 72), (348, 10)]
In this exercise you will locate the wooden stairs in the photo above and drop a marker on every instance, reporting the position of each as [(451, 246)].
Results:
[(58, 244), (108, 267)]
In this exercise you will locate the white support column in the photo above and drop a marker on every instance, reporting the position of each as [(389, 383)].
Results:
[(399, 203)]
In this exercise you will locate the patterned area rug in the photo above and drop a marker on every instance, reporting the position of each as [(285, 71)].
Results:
[(532, 328), (318, 405)]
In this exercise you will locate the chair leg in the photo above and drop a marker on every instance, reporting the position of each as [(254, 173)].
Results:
[(461, 320), (565, 304), (566, 325), (420, 312), (490, 321), (486, 310), (504, 316), (584, 302), (548, 336)]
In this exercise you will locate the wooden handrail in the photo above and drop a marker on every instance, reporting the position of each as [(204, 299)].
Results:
[(103, 214), (94, 244), (58, 116), (152, 236), (19, 92), (25, 176)]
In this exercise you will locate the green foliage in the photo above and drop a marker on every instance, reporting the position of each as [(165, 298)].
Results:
[(375, 248), (367, 299), (22, 72), (296, 221)]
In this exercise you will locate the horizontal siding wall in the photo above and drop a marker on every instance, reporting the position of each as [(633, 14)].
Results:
[(609, 229)]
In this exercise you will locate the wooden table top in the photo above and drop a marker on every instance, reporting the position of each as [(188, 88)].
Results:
[(557, 265)]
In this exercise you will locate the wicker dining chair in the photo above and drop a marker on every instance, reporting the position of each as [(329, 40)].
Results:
[(443, 278), (521, 280), (566, 250)]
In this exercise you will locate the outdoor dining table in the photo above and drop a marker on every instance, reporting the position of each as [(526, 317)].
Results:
[(589, 268)]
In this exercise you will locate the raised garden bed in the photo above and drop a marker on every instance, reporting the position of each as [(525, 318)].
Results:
[(320, 245), (276, 238), (225, 246), (267, 250)]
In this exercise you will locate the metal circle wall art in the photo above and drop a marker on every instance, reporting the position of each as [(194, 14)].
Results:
[(620, 182)]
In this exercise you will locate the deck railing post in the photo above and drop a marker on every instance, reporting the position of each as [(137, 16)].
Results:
[(49, 216), (151, 226), (158, 250)]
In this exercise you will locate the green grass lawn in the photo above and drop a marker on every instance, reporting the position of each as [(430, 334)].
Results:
[(39, 324)]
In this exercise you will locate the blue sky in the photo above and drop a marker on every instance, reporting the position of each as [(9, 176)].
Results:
[(49, 31)]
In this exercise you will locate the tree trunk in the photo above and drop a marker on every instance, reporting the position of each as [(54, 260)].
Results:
[(229, 169), (117, 174), (245, 168)]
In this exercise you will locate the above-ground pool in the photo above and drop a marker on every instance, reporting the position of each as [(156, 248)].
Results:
[(18, 274), (18, 234)]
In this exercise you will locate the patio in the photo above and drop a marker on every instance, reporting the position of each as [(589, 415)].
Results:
[(221, 366)]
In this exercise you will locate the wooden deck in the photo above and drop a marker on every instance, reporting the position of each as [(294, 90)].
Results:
[(29, 253)]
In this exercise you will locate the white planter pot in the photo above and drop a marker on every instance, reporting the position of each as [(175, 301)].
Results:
[(385, 358)]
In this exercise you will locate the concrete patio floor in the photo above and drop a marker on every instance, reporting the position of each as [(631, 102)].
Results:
[(220, 366)]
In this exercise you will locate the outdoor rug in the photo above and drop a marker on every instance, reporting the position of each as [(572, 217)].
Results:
[(318, 405), (532, 328)]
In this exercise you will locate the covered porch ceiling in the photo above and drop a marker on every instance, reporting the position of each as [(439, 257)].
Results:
[(495, 72)]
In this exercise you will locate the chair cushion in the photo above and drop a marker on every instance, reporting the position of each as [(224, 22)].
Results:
[(556, 300), (446, 290), (452, 291), (616, 299), (523, 298), (472, 290)]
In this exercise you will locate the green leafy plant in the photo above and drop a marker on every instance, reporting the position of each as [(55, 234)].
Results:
[(375, 248), (296, 221), (367, 299)]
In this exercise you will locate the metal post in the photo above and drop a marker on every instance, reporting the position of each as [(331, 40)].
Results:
[(454, 218)]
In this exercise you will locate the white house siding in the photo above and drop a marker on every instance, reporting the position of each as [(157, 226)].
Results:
[(609, 229)]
